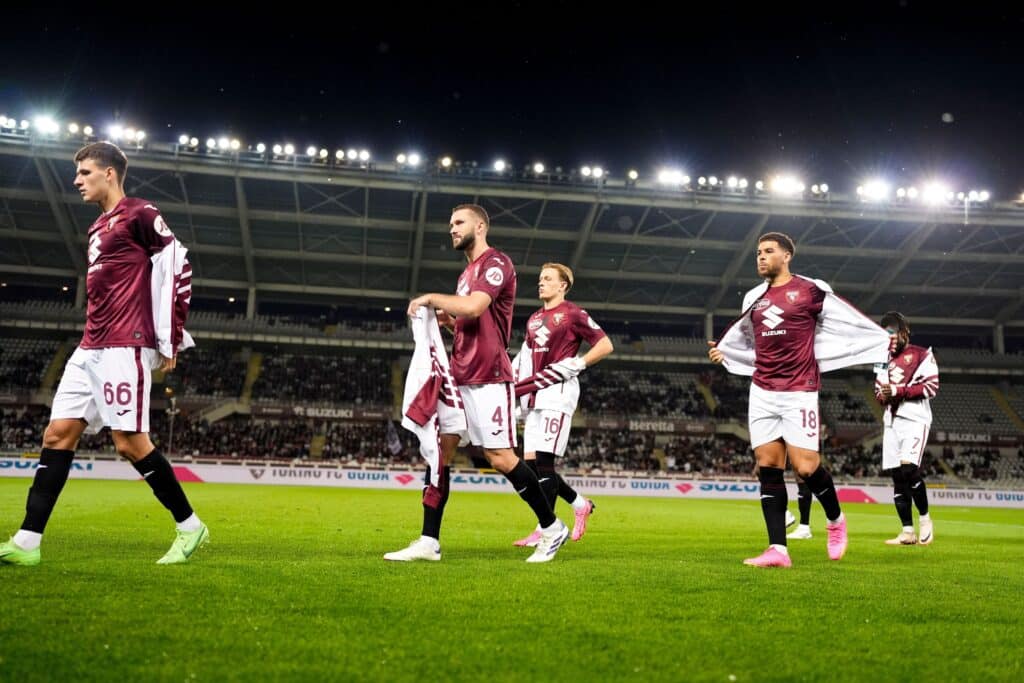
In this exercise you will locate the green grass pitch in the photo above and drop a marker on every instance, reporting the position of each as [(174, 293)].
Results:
[(293, 587)]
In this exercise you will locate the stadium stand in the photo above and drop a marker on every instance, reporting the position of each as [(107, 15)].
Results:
[(23, 362)]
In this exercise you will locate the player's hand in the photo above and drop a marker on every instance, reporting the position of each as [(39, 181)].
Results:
[(714, 354), (167, 364), (567, 368), (443, 319), (414, 305), (887, 392)]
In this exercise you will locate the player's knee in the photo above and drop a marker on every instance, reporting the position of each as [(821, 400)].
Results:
[(805, 470), (131, 449), (504, 460), (60, 435)]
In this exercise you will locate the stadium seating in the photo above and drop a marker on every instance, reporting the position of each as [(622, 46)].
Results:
[(324, 379), (969, 408), (23, 362), (623, 392)]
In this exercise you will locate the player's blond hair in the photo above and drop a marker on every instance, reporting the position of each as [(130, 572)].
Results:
[(564, 273)]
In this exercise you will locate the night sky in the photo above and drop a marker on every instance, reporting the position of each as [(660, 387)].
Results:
[(901, 89)]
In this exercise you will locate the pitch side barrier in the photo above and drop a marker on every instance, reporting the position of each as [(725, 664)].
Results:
[(306, 474)]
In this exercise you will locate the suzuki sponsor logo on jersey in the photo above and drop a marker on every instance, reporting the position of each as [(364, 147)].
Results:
[(773, 317), (896, 374), (542, 336), (94, 248)]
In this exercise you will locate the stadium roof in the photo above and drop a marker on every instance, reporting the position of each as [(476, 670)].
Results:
[(352, 234)]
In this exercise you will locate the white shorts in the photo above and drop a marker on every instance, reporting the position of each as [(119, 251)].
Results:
[(451, 419), (546, 431), (904, 441), (790, 415), (107, 388), (490, 414)]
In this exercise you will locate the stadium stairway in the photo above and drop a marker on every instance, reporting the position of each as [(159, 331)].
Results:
[(219, 411), (869, 398), (397, 387), (316, 446), (1005, 406), (709, 397), (253, 372), (659, 455), (735, 429), (56, 367)]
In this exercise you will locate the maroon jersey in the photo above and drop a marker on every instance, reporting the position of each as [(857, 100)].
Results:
[(784, 321), (556, 333), (914, 378), (118, 283), (480, 352)]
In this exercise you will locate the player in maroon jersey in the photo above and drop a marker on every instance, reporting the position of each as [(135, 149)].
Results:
[(480, 313), (139, 288), (553, 337), (905, 388), (775, 341)]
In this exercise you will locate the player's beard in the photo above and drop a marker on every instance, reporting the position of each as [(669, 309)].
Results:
[(466, 242), (899, 344)]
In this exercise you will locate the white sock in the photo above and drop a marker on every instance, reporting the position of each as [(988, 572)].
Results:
[(554, 525), (908, 529), (580, 503), (27, 540), (781, 548), (190, 525), (924, 518), (837, 519)]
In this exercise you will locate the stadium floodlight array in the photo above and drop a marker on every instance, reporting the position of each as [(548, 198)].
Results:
[(873, 190), (786, 186), (410, 160), (933, 193)]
